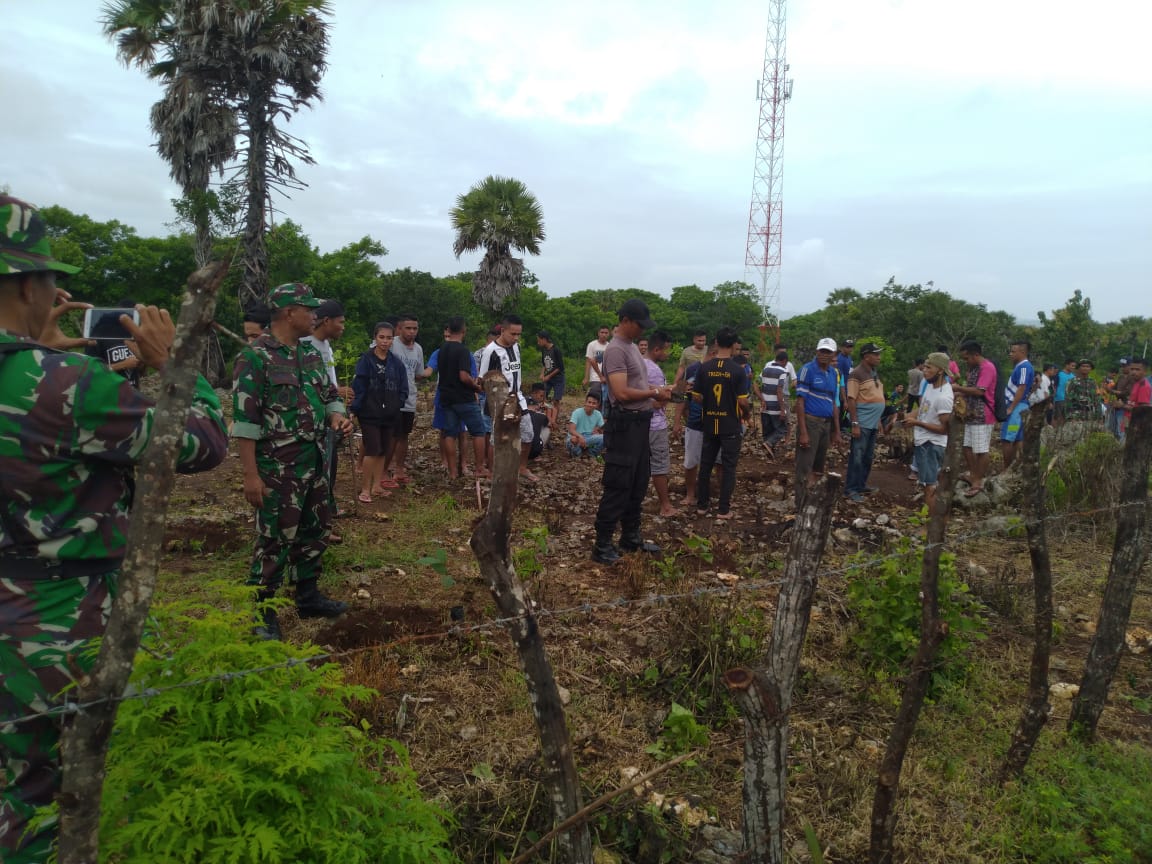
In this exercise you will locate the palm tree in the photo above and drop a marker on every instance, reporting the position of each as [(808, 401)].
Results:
[(498, 215), (229, 67), (194, 126)]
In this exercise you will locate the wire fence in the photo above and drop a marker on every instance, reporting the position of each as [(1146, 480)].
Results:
[(652, 599)]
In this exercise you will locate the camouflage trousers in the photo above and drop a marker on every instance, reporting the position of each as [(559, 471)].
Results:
[(46, 631), (293, 524)]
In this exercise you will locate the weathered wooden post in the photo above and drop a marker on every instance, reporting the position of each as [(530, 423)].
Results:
[(84, 743), (490, 543), (764, 697)]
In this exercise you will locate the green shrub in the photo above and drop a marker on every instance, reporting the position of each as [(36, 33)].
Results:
[(1087, 476), (884, 598), (1082, 806), (263, 767)]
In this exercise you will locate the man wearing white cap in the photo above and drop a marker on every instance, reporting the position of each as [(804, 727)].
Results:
[(817, 415)]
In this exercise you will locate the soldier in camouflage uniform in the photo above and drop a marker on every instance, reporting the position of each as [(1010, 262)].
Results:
[(71, 431), (283, 405)]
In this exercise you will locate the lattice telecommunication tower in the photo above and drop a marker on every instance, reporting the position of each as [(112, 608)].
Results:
[(765, 224)]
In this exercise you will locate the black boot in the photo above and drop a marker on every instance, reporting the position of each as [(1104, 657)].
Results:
[(604, 552), (269, 626), (631, 541), (310, 603)]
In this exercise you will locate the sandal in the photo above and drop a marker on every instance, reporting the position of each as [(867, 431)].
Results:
[(973, 492), (724, 517), (389, 483), (364, 498)]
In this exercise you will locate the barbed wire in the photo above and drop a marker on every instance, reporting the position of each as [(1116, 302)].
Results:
[(653, 599)]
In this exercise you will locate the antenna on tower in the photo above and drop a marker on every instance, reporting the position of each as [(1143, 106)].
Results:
[(765, 218)]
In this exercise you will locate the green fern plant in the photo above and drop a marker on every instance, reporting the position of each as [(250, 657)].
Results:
[(258, 768)]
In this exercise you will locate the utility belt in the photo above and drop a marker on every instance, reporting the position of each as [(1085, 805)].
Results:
[(630, 415), (21, 567)]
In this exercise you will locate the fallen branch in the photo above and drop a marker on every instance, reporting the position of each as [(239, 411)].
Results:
[(588, 809)]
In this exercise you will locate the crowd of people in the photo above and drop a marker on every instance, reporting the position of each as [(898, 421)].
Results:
[(73, 426)]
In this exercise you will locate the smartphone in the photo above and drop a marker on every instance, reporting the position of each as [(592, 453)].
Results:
[(105, 323)]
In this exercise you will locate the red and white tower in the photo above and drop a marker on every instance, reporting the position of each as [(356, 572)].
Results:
[(765, 226)]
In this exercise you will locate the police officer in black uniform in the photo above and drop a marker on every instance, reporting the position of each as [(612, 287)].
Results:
[(626, 451)]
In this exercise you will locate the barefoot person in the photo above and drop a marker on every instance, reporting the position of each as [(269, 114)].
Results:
[(658, 344), (721, 388), (930, 425), (979, 392), (379, 391)]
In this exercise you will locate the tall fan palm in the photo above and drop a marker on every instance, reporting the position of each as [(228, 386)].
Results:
[(194, 126), (498, 215), (239, 66)]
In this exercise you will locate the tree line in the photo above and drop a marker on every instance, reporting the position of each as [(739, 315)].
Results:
[(120, 264)]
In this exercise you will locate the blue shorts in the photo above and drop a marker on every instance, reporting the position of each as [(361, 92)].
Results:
[(554, 388), (463, 415), (438, 420), (928, 458), (1013, 428)]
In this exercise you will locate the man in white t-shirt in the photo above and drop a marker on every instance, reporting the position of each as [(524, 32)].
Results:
[(503, 354), (594, 364), (409, 352), (930, 425)]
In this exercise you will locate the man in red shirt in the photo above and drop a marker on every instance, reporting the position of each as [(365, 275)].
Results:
[(1141, 392)]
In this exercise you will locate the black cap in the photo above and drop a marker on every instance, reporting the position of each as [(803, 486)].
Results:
[(848, 342), (329, 309), (869, 348), (637, 310)]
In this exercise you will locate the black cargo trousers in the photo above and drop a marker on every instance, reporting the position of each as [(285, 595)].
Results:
[(627, 466)]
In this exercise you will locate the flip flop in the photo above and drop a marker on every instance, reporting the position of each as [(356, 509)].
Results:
[(724, 517), (364, 498), (389, 483), (973, 492)]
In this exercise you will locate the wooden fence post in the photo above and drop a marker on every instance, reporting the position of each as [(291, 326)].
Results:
[(1036, 707), (1129, 554), (84, 742), (490, 543), (932, 632), (765, 697)]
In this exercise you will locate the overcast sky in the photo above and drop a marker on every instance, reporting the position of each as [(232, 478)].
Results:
[(1001, 148)]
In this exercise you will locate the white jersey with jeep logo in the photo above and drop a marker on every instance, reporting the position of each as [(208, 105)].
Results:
[(507, 360)]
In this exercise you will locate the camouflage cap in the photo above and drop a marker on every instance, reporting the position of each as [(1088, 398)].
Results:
[(292, 294), (24, 240)]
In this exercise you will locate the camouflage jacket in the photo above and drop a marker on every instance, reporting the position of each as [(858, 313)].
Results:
[(281, 398), (71, 431)]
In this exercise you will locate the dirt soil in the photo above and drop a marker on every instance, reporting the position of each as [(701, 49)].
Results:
[(449, 683)]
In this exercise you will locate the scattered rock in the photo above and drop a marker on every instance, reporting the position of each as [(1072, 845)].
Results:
[(1060, 690), (469, 732), (1138, 640), (565, 694), (381, 517), (861, 523), (410, 670), (977, 573), (363, 594), (883, 519), (844, 535), (728, 578)]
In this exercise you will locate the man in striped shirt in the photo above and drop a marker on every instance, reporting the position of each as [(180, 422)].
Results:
[(817, 415), (774, 400)]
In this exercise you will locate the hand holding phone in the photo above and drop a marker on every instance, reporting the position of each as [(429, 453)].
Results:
[(151, 333), (103, 324)]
